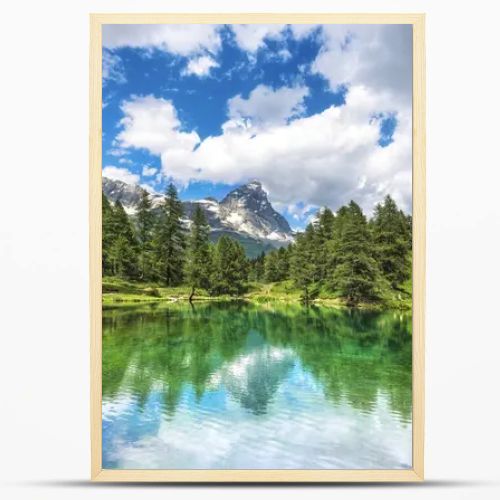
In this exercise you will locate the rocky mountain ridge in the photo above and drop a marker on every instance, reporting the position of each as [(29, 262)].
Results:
[(245, 212)]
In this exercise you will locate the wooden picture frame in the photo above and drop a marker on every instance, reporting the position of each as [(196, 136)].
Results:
[(416, 473)]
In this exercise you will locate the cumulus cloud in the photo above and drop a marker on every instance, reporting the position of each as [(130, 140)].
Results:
[(120, 174), (148, 171), (324, 159), (179, 39), (151, 123), (301, 31), (302, 161), (112, 68), (265, 107), (378, 56), (251, 37), (200, 66)]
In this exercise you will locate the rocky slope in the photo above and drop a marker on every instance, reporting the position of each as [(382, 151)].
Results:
[(245, 213)]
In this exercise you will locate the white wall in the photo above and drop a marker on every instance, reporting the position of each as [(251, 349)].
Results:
[(44, 443)]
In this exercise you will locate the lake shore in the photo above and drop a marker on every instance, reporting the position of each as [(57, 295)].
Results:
[(120, 292)]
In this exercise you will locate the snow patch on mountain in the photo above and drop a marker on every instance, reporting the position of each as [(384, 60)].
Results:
[(246, 210)]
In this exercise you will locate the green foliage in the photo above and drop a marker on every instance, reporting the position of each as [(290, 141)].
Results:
[(145, 224), (107, 235), (256, 268), (322, 251), (340, 257), (169, 240), (355, 274), (199, 255), (119, 242), (392, 237), (229, 268), (302, 267)]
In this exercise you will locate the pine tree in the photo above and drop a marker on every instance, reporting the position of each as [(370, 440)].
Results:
[(145, 223), (302, 265), (271, 272), (122, 254), (256, 270), (108, 235), (169, 240), (355, 274), (198, 262), (229, 268), (322, 250), (283, 265), (392, 241)]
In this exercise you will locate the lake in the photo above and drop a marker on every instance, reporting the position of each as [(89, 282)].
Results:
[(246, 386)]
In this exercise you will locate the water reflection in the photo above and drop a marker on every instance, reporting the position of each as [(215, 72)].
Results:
[(335, 385)]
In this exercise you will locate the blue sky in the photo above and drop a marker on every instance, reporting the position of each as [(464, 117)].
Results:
[(210, 107)]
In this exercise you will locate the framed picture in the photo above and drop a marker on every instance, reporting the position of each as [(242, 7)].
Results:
[(257, 247)]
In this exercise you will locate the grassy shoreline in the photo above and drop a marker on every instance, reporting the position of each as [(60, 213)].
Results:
[(121, 292)]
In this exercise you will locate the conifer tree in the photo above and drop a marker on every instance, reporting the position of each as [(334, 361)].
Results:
[(257, 268), (271, 271), (356, 274), (283, 265), (322, 250), (198, 263), (229, 268), (145, 223), (392, 241), (302, 262), (169, 240), (108, 235), (123, 251)]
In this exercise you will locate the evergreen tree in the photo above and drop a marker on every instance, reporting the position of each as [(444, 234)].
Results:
[(302, 266), (198, 262), (271, 263), (122, 253), (145, 223), (169, 240), (257, 268), (229, 267), (355, 274), (391, 231), (108, 235), (283, 265), (322, 248)]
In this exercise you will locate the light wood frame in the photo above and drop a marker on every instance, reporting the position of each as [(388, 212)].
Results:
[(195, 475)]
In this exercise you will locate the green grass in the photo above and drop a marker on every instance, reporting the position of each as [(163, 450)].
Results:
[(118, 291)]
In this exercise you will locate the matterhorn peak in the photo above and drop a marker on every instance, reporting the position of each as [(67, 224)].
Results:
[(254, 184)]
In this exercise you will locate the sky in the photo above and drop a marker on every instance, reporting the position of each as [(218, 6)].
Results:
[(319, 114)]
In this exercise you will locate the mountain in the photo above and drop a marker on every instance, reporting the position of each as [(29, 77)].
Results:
[(244, 214)]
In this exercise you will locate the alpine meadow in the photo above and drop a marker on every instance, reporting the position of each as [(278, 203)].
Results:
[(257, 246)]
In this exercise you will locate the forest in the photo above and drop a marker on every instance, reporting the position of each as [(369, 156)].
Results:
[(343, 255)]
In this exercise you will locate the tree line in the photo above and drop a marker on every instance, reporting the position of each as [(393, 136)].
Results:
[(344, 253)]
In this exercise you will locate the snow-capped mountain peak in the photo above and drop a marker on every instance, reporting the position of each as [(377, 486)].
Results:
[(245, 211)]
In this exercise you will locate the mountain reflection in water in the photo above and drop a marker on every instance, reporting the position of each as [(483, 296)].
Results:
[(243, 386)]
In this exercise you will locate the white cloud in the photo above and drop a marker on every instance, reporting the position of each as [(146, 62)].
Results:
[(265, 107), (250, 37), (178, 39), (377, 56), (112, 68), (200, 66), (148, 171), (148, 188), (120, 174), (301, 31), (318, 160), (151, 123), (324, 159)]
